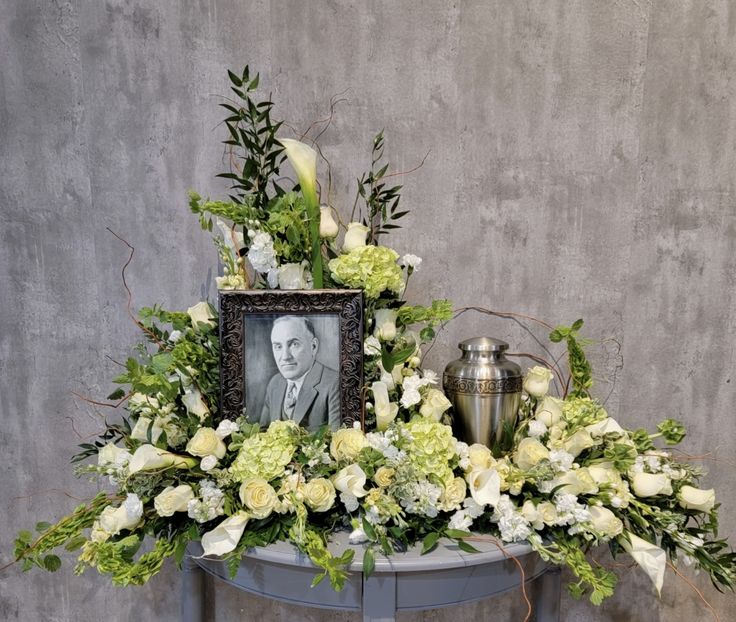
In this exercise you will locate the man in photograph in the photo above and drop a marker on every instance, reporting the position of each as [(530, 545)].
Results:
[(304, 390)]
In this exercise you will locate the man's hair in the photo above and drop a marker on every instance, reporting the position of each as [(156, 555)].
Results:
[(303, 319)]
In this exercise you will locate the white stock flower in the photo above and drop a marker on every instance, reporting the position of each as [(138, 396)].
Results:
[(386, 410), (536, 382), (410, 395), (201, 313), (357, 536), (536, 428), (651, 484), (173, 499), (385, 324), (261, 253), (225, 537), (692, 498), (651, 558), (371, 346), (226, 428), (355, 237)]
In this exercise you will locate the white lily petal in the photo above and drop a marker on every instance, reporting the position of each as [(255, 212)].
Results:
[(650, 557)]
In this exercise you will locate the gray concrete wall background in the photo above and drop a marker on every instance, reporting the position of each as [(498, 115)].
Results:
[(582, 164)]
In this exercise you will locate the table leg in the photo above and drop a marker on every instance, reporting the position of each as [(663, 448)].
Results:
[(192, 591), (546, 596), (379, 598)]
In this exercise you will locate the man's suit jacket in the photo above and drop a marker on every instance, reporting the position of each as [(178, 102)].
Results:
[(318, 401)]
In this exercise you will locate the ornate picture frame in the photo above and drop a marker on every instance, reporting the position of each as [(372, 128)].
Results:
[(291, 354)]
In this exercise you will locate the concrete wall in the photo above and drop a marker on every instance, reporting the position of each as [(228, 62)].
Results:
[(581, 163)]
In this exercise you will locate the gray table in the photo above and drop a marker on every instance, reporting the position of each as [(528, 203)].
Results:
[(405, 581)]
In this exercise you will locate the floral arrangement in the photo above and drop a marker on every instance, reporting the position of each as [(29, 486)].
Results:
[(569, 479)]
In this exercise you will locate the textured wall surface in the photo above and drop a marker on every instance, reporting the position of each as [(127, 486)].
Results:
[(581, 163)]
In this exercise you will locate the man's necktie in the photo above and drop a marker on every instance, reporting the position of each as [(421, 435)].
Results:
[(290, 400)]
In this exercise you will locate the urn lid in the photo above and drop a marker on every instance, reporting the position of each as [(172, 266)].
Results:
[(483, 344)]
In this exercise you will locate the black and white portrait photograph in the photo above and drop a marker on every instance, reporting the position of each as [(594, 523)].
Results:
[(292, 362), (292, 356)]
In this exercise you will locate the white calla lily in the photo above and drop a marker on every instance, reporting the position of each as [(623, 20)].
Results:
[(225, 537), (150, 458), (650, 557), (386, 410), (485, 486)]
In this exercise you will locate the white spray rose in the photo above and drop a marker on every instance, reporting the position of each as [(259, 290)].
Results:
[(651, 558), (386, 411), (355, 237), (692, 498), (150, 458), (480, 456), (201, 313), (351, 480), (319, 494), (327, 226), (434, 404), (532, 515), (294, 276), (171, 500), (208, 463), (385, 324), (453, 495), (225, 537), (651, 484), (485, 486), (258, 496), (605, 473), (607, 426), (530, 452), (548, 511), (537, 381), (206, 442), (113, 520), (549, 411), (576, 482), (605, 523)]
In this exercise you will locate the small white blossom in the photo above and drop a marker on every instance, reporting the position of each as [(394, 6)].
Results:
[(460, 520), (561, 460), (208, 463), (371, 346), (411, 261), (357, 536), (350, 501), (226, 428), (537, 428), (261, 253), (473, 508)]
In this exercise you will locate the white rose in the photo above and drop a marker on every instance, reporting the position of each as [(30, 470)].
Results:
[(111, 455), (386, 411), (193, 402), (150, 458), (549, 411), (347, 443), (692, 498), (578, 442), (480, 456), (208, 463), (201, 313), (294, 276), (605, 523), (385, 324), (171, 500), (548, 512), (485, 486), (651, 484), (319, 494), (604, 473), (351, 480), (113, 520), (607, 426), (206, 442), (258, 496), (434, 404), (225, 537), (530, 452), (537, 381), (355, 237), (327, 226), (532, 515)]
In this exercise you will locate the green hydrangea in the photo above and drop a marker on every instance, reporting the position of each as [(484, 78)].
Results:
[(371, 268), (266, 454), (431, 449)]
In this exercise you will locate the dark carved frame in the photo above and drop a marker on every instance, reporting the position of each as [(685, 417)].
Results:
[(235, 305)]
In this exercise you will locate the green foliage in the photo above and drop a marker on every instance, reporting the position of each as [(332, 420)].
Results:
[(255, 148), (440, 311), (672, 431), (381, 202), (238, 213), (288, 224)]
